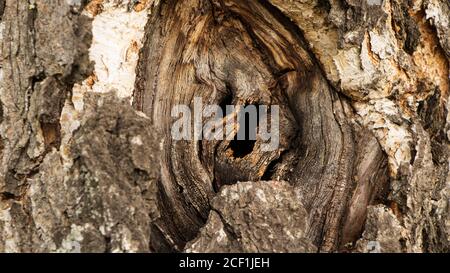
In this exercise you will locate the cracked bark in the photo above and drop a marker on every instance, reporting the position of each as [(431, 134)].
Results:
[(363, 158)]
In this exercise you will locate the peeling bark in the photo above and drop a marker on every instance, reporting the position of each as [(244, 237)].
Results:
[(362, 164)]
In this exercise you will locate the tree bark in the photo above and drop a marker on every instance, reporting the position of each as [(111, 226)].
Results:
[(89, 164)]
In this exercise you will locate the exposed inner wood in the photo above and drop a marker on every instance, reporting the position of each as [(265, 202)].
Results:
[(248, 53)]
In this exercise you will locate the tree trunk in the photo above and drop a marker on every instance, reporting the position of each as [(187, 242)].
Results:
[(89, 163)]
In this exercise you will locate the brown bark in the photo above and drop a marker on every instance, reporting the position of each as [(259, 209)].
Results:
[(363, 158)]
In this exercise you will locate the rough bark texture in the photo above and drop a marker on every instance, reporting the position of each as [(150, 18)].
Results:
[(363, 160), (255, 217)]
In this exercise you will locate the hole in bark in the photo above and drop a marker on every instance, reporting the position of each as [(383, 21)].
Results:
[(270, 170), (243, 147), (246, 36)]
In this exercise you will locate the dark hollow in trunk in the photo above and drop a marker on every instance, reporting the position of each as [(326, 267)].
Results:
[(247, 52)]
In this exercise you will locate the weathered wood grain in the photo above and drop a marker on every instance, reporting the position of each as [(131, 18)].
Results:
[(248, 53)]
